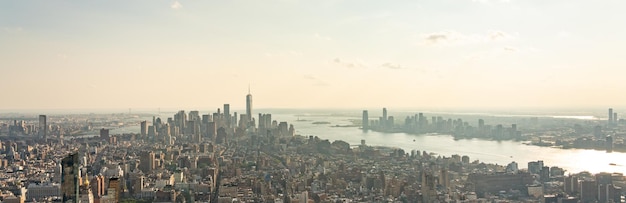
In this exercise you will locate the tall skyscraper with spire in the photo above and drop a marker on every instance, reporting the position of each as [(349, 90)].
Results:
[(249, 106)]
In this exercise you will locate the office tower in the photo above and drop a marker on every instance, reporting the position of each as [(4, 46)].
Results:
[(292, 130), (534, 167), (242, 121), (115, 189), (104, 134), (144, 129), (226, 109), (588, 190), (194, 116), (43, 127), (614, 118), (383, 122), (146, 162), (211, 130), (97, 186), (570, 184), (283, 129), (227, 119), (610, 116), (481, 124), (69, 180), (192, 128), (365, 121), (180, 119), (220, 138), (152, 132), (249, 107)]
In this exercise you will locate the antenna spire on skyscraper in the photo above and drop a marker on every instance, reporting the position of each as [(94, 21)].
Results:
[(248, 88)]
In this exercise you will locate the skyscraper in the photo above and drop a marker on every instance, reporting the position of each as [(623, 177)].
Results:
[(366, 120), (383, 121), (610, 116), (69, 179), (249, 106), (226, 109), (43, 127), (104, 134), (144, 129), (114, 189), (384, 113), (227, 119), (146, 161)]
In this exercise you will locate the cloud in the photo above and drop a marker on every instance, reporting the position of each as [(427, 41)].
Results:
[(511, 49), (392, 66), (176, 5), (318, 36), (444, 37), (349, 64), (496, 35), (436, 38), (315, 80), (456, 38)]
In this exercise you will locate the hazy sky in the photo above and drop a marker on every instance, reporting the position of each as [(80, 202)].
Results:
[(312, 54)]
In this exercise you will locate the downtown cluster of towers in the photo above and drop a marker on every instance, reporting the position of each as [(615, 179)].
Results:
[(383, 122), (215, 127), (193, 127)]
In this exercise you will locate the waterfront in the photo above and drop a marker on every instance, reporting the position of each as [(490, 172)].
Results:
[(488, 151)]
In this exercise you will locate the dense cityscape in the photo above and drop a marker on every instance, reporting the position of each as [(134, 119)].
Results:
[(415, 101), (230, 157), (599, 135)]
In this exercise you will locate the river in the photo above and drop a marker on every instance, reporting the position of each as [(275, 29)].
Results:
[(488, 151)]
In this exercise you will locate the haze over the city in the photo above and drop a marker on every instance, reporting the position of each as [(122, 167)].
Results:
[(312, 54)]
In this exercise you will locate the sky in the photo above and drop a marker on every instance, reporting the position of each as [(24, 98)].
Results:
[(312, 54)]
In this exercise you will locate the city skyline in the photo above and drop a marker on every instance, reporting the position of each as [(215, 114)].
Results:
[(297, 54)]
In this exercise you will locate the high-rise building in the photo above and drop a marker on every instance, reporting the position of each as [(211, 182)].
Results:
[(481, 124), (384, 113), (104, 134), (226, 109), (97, 186), (588, 190), (610, 116), (146, 161), (249, 107), (144, 129), (69, 180), (115, 189), (43, 127), (227, 118), (366, 120), (180, 118)]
